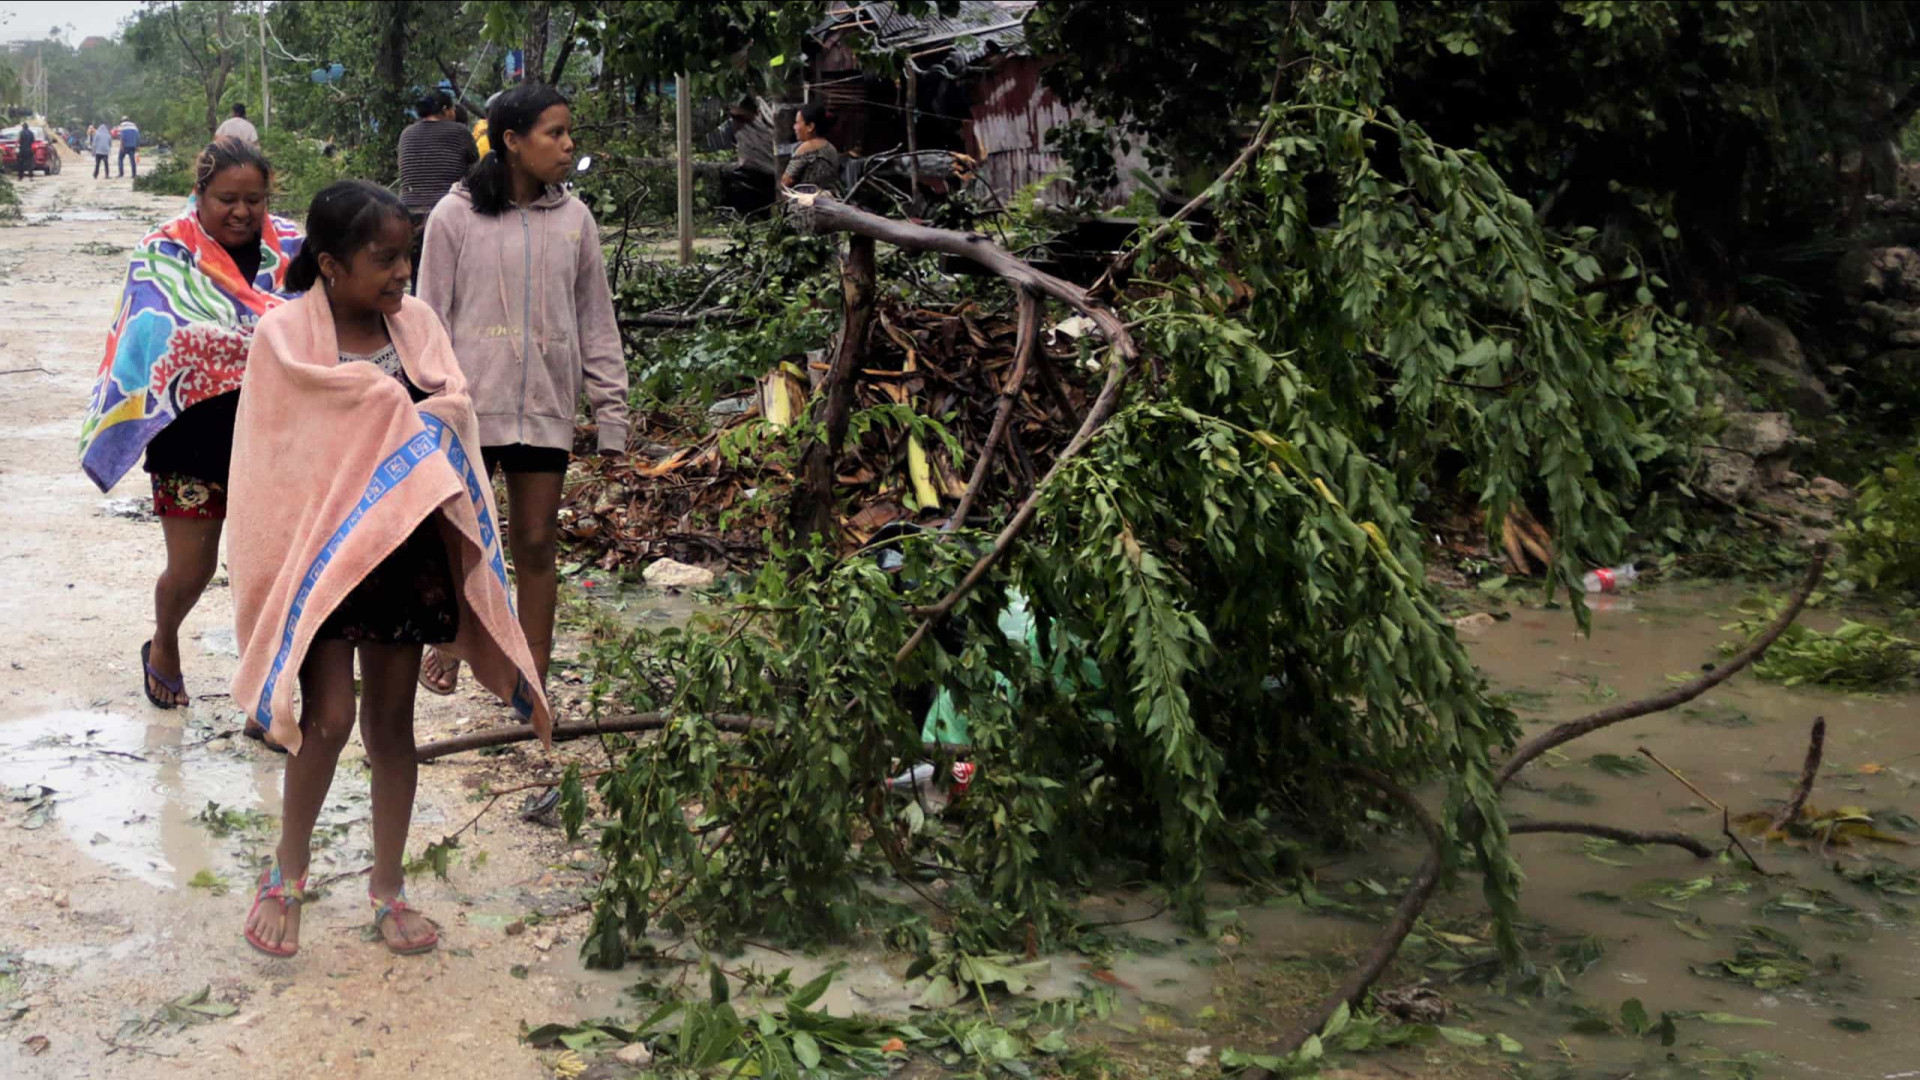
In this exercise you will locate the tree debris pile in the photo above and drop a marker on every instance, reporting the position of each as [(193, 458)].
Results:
[(924, 406)]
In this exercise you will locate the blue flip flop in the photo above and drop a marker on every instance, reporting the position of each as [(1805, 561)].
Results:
[(177, 685)]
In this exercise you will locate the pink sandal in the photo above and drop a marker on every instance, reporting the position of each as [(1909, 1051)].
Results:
[(382, 909), (273, 888)]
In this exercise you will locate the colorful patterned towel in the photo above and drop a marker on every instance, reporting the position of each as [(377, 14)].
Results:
[(180, 337)]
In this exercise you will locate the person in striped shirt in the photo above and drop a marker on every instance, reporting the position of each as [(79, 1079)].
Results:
[(435, 153)]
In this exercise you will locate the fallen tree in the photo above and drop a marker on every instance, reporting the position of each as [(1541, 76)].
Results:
[(1220, 562)]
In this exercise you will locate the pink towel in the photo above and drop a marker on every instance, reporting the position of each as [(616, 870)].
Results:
[(333, 467)]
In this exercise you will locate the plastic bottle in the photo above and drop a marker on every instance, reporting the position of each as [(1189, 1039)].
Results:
[(1606, 580)]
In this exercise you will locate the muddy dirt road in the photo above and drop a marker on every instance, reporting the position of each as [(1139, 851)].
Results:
[(101, 923)]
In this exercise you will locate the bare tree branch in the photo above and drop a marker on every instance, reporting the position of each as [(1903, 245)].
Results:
[(1028, 343)]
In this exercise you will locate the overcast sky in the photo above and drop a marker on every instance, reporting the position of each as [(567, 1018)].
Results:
[(33, 18)]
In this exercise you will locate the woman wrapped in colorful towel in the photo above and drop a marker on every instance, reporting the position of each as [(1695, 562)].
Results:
[(170, 380), (360, 527)]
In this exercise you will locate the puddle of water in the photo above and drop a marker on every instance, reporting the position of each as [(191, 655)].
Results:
[(639, 606), (1743, 744), (127, 793)]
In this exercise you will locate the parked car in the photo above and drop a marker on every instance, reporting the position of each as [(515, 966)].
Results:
[(46, 157)]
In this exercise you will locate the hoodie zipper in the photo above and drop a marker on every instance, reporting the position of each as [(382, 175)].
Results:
[(526, 322)]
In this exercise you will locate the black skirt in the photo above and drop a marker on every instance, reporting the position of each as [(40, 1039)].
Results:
[(199, 442), (409, 599)]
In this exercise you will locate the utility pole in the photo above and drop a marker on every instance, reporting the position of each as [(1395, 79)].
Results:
[(266, 93), (683, 124)]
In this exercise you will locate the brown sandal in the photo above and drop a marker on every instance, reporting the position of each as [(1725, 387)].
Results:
[(437, 661)]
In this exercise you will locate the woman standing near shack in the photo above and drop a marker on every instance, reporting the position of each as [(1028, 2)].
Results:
[(815, 163), (513, 266), (170, 380)]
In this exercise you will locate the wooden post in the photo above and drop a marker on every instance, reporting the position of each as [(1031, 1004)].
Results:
[(913, 135), (683, 124)]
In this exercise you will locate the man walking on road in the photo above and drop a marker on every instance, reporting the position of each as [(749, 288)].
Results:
[(23, 157), (100, 141), (238, 126), (129, 147), (435, 153)]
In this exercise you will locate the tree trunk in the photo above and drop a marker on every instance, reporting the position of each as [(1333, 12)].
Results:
[(535, 50), (812, 511), (391, 61), (217, 84)]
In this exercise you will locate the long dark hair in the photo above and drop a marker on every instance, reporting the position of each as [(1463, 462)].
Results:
[(228, 153), (490, 183), (344, 218)]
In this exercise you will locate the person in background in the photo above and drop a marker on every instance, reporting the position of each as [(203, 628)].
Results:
[(238, 126), (435, 153), (129, 134), (815, 163), (513, 265), (23, 156), (100, 141), (169, 382)]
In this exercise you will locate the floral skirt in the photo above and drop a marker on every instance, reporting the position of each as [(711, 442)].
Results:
[(177, 495), (409, 599)]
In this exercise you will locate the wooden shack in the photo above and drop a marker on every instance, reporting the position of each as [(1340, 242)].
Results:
[(964, 82)]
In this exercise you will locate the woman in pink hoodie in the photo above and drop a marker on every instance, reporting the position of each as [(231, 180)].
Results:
[(513, 265)]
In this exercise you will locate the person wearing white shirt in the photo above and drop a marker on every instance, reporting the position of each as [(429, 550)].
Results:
[(238, 126)]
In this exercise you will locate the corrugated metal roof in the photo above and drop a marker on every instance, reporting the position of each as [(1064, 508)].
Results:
[(983, 22)]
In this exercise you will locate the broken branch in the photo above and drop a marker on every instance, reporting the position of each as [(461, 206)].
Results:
[(654, 721), (1029, 341), (1816, 745), (1405, 915), (1726, 818), (678, 320), (1609, 832), (822, 213)]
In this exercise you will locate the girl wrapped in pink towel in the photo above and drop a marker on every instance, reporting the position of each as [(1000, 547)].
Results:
[(360, 528)]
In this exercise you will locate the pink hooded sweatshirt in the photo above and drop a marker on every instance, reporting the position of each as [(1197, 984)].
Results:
[(524, 298)]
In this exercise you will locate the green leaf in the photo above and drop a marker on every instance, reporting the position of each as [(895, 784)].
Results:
[(1337, 1022), (804, 997), (1508, 1045), (941, 993), (573, 802), (807, 1050), (1633, 1017), (1461, 1036), (718, 991)]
